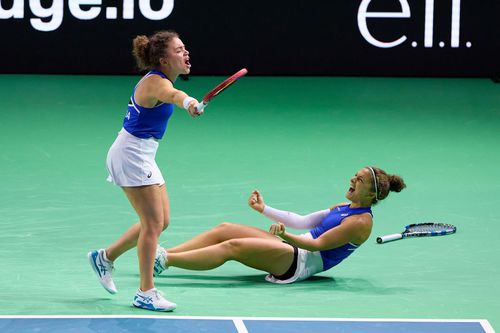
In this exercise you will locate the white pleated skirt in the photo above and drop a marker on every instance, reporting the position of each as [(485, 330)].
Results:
[(131, 161)]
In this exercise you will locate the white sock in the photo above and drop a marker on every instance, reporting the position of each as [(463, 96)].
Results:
[(105, 256), (147, 291)]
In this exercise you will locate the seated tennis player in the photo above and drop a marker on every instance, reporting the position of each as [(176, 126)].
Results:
[(334, 234)]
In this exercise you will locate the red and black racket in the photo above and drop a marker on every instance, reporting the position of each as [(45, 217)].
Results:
[(220, 88)]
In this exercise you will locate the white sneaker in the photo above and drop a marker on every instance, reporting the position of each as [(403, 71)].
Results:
[(152, 300), (160, 261), (103, 269)]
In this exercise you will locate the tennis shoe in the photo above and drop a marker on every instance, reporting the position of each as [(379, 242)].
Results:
[(103, 268), (152, 300), (160, 261)]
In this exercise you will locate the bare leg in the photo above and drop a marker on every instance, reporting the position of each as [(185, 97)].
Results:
[(149, 203), (129, 239), (126, 242), (219, 234), (269, 255)]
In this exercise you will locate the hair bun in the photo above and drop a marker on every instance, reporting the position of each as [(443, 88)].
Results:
[(396, 183), (140, 46)]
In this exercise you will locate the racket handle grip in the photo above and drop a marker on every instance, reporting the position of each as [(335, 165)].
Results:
[(200, 106), (388, 238)]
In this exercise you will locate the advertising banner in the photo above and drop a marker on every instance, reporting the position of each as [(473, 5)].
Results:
[(452, 38)]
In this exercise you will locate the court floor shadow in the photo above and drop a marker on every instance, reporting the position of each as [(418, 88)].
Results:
[(213, 281), (354, 285)]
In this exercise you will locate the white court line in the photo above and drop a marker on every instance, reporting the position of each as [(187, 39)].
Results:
[(240, 326), (487, 326), (238, 321)]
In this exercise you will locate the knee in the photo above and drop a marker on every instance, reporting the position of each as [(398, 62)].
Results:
[(223, 231), (225, 226), (153, 226)]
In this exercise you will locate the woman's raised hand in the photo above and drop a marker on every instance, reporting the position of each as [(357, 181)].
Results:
[(256, 201)]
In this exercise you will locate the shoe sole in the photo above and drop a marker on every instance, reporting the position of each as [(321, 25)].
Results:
[(96, 271), (170, 309)]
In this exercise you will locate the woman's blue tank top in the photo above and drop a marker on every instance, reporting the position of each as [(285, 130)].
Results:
[(144, 122), (333, 219)]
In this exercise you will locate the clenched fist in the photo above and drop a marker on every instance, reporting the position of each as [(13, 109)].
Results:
[(277, 229), (256, 201)]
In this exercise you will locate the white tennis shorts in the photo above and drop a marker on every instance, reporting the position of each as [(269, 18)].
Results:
[(308, 264), (131, 161)]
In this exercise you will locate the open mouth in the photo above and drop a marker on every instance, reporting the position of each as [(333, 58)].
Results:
[(351, 189), (187, 63)]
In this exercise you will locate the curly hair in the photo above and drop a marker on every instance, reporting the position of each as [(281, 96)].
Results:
[(386, 183), (147, 51)]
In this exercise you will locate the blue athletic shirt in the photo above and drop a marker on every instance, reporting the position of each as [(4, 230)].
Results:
[(144, 122), (333, 219)]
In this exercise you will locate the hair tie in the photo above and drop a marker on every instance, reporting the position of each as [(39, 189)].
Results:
[(374, 182)]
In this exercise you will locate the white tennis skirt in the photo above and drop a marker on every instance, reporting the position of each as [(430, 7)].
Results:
[(131, 161), (308, 264)]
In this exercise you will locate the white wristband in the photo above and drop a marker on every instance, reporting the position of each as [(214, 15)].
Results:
[(186, 101)]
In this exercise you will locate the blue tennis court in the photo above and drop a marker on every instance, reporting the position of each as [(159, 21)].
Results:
[(54, 324)]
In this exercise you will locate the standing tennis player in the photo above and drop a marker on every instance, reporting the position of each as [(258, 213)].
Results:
[(131, 161), (334, 234)]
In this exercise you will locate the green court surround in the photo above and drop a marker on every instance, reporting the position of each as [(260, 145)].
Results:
[(297, 140)]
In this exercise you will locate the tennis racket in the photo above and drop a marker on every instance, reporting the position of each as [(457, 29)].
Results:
[(420, 230), (220, 88)]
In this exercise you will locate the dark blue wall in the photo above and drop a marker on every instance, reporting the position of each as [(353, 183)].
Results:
[(274, 37)]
